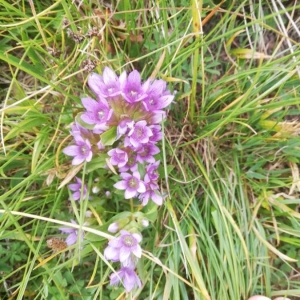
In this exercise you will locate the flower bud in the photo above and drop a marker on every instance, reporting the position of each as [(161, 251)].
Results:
[(113, 227), (95, 189), (145, 222)]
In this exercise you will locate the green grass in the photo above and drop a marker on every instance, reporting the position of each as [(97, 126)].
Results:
[(229, 227)]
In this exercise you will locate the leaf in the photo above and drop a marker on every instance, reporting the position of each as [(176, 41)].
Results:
[(96, 163), (25, 125), (42, 137), (248, 54), (109, 136), (23, 65)]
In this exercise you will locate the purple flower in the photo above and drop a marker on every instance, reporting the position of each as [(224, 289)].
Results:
[(132, 89), (129, 278), (157, 95), (138, 135), (98, 112), (113, 227), (125, 249), (124, 126), (77, 188), (73, 234), (151, 172), (157, 134), (132, 161), (118, 157), (151, 194), (107, 85), (145, 153), (78, 130), (82, 151), (131, 184)]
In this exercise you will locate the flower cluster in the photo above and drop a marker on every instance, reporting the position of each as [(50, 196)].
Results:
[(122, 122)]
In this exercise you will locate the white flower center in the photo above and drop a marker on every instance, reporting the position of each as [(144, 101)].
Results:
[(133, 93), (139, 132), (128, 241), (100, 114), (132, 182)]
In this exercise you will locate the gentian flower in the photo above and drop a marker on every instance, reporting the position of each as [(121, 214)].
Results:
[(129, 278), (98, 112), (157, 134), (132, 90), (124, 127), (73, 234), (131, 184), (145, 153), (82, 151), (151, 194), (125, 249), (132, 161), (139, 134), (78, 130), (77, 188), (151, 172), (157, 96), (118, 157), (107, 85)]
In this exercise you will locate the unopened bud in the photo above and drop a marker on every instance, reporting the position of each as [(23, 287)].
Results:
[(145, 223), (95, 189), (113, 227), (88, 214)]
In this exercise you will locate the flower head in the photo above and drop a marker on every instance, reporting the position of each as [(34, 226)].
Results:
[(129, 279), (131, 184), (82, 151), (125, 249), (78, 188)]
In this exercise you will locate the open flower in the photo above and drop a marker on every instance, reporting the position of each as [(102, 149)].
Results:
[(107, 85), (132, 89), (157, 95), (131, 184), (151, 193), (151, 172), (118, 157), (139, 134), (82, 151), (125, 249), (145, 153), (129, 279), (98, 112)]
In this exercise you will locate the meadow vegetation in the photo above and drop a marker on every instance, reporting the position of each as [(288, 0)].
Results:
[(229, 225)]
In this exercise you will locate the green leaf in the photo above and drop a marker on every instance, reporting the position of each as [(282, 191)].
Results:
[(23, 65), (109, 136), (97, 163), (25, 125)]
